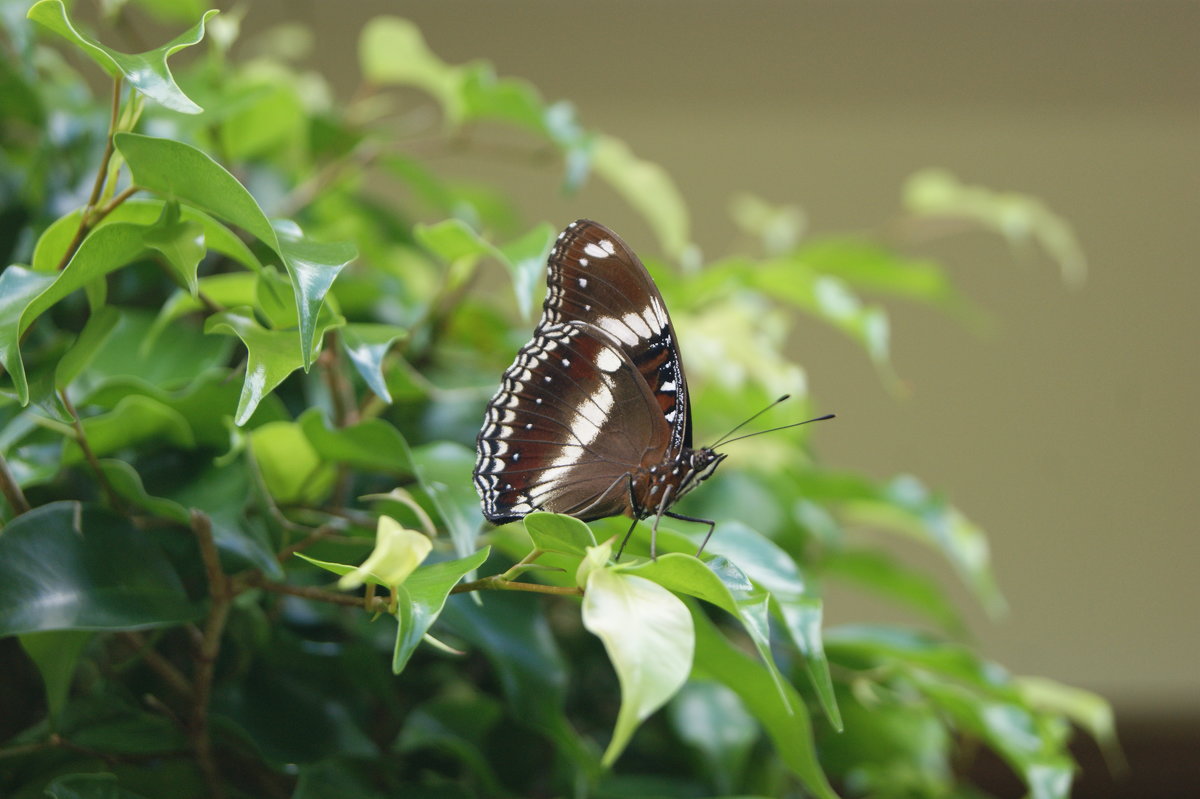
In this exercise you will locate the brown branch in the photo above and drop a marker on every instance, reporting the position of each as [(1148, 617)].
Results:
[(497, 583), (324, 531), (12, 490), (376, 605), (157, 663), (221, 596)]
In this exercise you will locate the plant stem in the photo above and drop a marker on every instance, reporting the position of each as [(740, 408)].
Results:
[(378, 604), (221, 597), (114, 499), (498, 583), (157, 663), (12, 490)]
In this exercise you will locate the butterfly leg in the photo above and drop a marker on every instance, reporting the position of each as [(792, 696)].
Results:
[(711, 526), (634, 508), (662, 509)]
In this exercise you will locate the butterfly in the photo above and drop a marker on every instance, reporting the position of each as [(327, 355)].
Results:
[(592, 419)]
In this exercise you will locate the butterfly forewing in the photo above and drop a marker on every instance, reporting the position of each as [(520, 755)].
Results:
[(573, 419), (594, 277)]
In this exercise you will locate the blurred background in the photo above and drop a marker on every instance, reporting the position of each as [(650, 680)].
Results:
[(1064, 423)]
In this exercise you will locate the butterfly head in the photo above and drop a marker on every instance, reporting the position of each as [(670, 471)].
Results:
[(700, 463)]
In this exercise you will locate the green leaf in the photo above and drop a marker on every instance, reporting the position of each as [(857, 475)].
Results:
[(868, 266), (291, 468), (1020, 218), (271, 357), (262, 118), (174, 169), (444, 472), (1089, 711), (366, 345), (455, 242), (459, 726), (135, 419), (93, 336), (125, 480), (422, 598), (88, 786), (53, 242), (55, 653), (648, 635), (67, 566), (711, 718), (882, 574), (648, 189), (147, 72), (180, 242), (554, 532), (392, 50), (25, 295), (787, 723), (769, 566), (373, 445)]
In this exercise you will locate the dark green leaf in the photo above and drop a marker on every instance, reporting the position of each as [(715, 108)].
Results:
[(787, 724), (271, 356), (135, 420), (99, 325), (55, 653), (180, 242), (444, 471), (88, 786), (67, 566)]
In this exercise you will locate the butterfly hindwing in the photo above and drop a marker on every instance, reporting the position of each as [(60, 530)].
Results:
[(573, 418)]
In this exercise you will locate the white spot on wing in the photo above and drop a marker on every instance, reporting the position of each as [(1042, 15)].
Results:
[(607, 360), (596, 251)]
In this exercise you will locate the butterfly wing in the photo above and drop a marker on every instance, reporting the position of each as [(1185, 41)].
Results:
[(572, 420), (594, 277)]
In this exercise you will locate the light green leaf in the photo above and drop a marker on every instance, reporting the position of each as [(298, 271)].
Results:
[(261, 119), (554, 532), (787, 723), (392, 51), (1020, 218), (271, 357), (1088, 710), (871, 267), (648, 635), (67, 566), (647, 188), (398, 552), (174, 169), (422, 599), (366, 345), (290, 466), (374, 445), (147, 72), (53, 242), (180, 242), (882, 574)]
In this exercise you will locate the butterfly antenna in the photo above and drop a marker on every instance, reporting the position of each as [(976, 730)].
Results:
[(748, 421), (773, 429)]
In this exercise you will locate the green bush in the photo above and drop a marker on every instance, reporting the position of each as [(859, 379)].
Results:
[(247, 335)]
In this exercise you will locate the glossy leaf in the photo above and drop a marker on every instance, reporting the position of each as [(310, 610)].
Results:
[(67, 566), (422, 598), (787, 724), (147, 72), (174, 169), (53, 243), (554, 532), (180, 242), (271, 357), (647, 633), (25, 295), (366, 345)]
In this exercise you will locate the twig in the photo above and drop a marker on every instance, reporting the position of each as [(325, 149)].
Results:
[(221, 595), (379, 604), (12, 490), (157, 663), (114, 499), (285, 554), (498, 583)]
